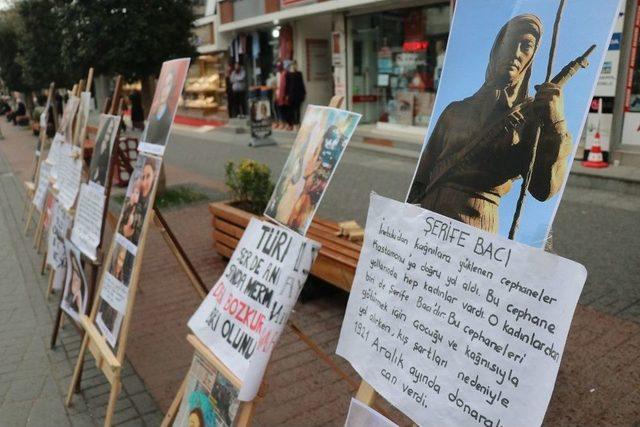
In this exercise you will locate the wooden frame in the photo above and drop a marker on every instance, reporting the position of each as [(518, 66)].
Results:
[(31, 186), (245, 415), (111, 109), (246, 410), (107, 361)]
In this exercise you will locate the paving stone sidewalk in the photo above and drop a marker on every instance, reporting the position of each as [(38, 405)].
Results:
[(33, 378)]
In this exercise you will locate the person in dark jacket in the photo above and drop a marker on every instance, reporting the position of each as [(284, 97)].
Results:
[(296, 94), (137, 113)]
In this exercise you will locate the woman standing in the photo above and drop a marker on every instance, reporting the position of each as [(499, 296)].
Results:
[(296, 94)]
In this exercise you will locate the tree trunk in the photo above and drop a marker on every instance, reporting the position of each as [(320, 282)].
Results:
[(148, 87), (28, 103)]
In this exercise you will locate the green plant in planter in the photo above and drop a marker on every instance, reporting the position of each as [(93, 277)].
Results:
[(250, 185)]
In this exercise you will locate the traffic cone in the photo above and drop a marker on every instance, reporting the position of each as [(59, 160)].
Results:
[(595, 159)]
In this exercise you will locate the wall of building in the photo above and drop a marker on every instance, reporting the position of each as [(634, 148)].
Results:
[(317, 27)]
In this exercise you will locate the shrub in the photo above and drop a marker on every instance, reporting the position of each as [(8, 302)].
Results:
[(250, 184)]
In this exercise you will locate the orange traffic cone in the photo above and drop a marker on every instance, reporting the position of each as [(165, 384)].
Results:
[(595, 159)]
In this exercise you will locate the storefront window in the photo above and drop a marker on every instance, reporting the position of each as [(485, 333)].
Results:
[(396, 64)]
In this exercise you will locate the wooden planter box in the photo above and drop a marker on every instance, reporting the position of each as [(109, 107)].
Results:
[(336, 262)]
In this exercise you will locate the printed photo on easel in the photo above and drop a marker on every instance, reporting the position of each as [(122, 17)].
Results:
[(137, 200), (114, 292), (512, 101), (105, 138), (164, 105), (209, 400), (316, 152), (76, 291), (66, 123)]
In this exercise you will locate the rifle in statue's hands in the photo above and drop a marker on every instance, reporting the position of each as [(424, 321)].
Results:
[(500, 125)]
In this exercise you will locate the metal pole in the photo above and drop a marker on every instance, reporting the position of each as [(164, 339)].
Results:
[(534, 149)]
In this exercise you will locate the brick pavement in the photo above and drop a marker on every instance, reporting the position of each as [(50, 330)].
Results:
[(598, 382), (33, 378)]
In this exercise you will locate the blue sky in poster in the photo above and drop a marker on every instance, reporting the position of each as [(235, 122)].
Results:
[(476, 24)]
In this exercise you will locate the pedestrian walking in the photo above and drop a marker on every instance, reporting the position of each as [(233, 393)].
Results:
[(282, 111)]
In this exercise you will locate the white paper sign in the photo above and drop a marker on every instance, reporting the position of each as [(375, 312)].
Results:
[(70, 173), (54, 154), (114, 292), (243, 315), (454, 325), (361, 415), (43, 184), (88, 221)]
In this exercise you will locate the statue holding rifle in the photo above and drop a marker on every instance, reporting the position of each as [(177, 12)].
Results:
[(483, 143)]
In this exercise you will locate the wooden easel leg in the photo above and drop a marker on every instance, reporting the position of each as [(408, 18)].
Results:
[(113, 397), (245, 414), (76, 372), (43, 267), (366, 394), (27, 206), (179, 253), (40, 245), (170, 416), (56, 328), (52, 275), (29, 216), (38, 235), (57, 324)]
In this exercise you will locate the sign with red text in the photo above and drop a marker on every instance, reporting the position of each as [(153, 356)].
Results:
[(243, 315), (454, 325)]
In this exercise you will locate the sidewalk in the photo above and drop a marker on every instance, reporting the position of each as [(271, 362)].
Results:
[(33, 378)]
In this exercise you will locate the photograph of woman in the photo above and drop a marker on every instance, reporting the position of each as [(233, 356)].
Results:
[(121, 265), (137, 201), (76, 291), (107, 132)]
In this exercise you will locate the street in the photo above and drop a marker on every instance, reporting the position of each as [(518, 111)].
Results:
[(594, 227)]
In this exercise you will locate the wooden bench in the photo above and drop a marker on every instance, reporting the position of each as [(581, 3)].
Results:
[(336, 262)]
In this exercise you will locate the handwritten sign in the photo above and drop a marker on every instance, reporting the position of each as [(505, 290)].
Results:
[(54, 154), (88, 221), (454, 325), (243, 315), (41, 189), (70, 172), (361, 415), (114, 292)]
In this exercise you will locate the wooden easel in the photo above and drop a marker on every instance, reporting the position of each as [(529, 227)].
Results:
[(111, 108), (244, 417), (30, 186), (77, 131), (107, 361), (39, 228)]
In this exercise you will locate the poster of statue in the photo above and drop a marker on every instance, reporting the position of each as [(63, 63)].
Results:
[(498, 108)]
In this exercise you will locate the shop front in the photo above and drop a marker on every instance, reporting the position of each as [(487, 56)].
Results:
[(394, 63)]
